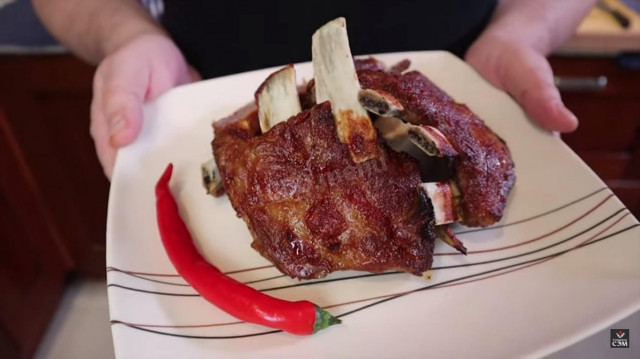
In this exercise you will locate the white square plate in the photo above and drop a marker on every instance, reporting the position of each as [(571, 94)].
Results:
[(562, 264)]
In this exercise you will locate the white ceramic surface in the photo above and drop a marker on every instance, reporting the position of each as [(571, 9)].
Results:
[(541, 292)]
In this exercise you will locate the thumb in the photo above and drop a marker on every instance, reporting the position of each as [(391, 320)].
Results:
[(123, 112), (529, 79)]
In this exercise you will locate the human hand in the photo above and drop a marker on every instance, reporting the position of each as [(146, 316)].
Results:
[(525, 74), (135, 73)]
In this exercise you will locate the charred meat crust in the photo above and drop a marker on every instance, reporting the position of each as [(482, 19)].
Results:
[(311, 209)]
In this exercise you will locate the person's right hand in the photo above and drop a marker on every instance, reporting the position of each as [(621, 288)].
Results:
[(137, 72)]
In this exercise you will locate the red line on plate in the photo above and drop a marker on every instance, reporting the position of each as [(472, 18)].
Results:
[(483, 278), (109, 269), (175, 326), (530, 240), (536, 263), (392, 294), (114, 269), (249, 269)]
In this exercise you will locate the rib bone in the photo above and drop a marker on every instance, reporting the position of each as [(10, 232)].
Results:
[(211, 178), (336, 81), (431, 141), (277, 98), (446, 234), (443, 196), (380, 103), (401, 66)]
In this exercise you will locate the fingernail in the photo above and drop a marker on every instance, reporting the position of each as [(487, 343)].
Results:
[(117, 124), (573, 117), (572, 122)]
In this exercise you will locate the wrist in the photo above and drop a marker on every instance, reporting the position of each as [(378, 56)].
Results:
[(493, 55), (123, 27), (519, 32)]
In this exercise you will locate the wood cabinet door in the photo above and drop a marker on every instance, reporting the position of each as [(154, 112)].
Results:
[(33, 262), (46, 100), (608, 138)]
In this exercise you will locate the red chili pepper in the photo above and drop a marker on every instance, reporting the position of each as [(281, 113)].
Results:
[(233, 297)]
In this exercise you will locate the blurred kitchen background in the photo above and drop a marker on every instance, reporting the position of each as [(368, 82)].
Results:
[(53, 195)]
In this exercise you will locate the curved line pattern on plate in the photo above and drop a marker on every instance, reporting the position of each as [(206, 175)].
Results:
[(456, 281), (323, 281), (113, 285), (536, 216), (534, 239), (434, 268), (176, 326), (138, 273), (517, 266), (132, 274), (114, 269)]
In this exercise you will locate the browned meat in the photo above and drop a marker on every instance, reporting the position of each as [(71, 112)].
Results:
[(311, 209), (484, 171)]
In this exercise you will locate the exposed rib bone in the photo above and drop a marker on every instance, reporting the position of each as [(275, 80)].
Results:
[(369, 63), (311, 91), (401, 66), (446, 234), (428, 139), (211, 178), (431, 141), (336, 81), (380, 103), (443, 196), (277, 98)]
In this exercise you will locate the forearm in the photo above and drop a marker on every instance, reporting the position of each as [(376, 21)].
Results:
[(95, 28), (541, 24)]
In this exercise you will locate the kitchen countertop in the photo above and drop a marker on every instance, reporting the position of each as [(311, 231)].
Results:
[(599, 33)]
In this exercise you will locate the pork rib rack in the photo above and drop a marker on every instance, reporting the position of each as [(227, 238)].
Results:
[(320, 189)]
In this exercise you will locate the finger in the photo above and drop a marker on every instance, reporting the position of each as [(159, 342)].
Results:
[(122, 109), (529, 80), (121, 91), (106, 153), (98, 129)]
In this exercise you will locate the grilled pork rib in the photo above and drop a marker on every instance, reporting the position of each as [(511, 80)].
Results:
[(311, 209), (483, 168), (320, 189)]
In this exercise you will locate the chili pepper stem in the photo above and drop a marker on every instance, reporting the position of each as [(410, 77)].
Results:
[(324, 320)]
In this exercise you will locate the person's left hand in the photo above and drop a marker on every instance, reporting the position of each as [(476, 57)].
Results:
[(526, 75)]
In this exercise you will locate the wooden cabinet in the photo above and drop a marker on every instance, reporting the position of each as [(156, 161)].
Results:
[(608, 138), (33, 260), (53, 195), (46, 102)]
